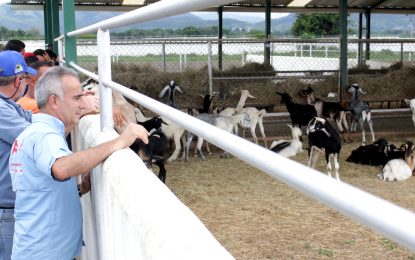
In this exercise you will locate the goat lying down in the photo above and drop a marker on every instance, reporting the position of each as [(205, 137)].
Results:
[(399, 169), (289, 148), (323, 137), (377, 154)]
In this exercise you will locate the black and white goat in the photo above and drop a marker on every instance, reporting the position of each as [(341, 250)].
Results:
[(323, 137), (376, 154), (170, 90), (154, 150), (360, 112), (332, 110), (300, 114), (400, 169), (289, 148)]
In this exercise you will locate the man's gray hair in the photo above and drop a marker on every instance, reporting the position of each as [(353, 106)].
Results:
[(5, 81), (50, 84)]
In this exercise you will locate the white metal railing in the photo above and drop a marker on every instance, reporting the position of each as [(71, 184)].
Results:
[(382, 216)]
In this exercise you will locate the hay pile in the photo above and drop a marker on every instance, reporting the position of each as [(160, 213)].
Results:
[(394, 83)]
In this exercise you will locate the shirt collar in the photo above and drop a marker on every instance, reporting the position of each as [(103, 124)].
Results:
[(50, 120)]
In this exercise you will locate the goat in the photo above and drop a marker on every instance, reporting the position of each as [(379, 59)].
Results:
[(377, 154), (300, 114), (288, 148), (207, 109), (400, 169), (412, 105), (322, 136), (360, 112), (332, 110), (154, 150), (223, 122), (171, 90), (171, 130), (252, 118)]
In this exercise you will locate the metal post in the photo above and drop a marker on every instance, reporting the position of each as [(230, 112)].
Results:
[(367, 15), (220, 36), (68, 7), (210, 74), (360, 44), (55, 24), (47, 21), (267, 52), (343, 47), (163, 54), (402, 52), (104, 69)]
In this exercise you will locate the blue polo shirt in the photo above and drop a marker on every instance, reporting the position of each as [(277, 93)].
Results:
[(47, 211), (13, 120)]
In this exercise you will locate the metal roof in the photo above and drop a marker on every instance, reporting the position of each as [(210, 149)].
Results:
[(284, 6)]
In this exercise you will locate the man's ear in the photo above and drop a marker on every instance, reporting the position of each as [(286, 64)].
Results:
[(53, 101)]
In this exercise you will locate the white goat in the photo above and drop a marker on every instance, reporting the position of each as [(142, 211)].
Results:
[(289, 148), (399, 169), (252, 118), (412, 105), (226, 123)]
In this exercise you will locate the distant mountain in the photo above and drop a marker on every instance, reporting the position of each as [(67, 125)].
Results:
[(25, 20)]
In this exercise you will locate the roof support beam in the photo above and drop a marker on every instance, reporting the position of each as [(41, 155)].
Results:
[(368, 24), (220, 36), (378, 3), (267, 47), (343, 45), (69, 25)]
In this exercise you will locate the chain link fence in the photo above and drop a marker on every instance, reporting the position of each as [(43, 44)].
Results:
[(383, 67)]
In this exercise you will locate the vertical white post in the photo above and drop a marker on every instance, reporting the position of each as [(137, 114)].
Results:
[(301, 50), (163, 54), (311, 49), (210, 67), (104, 72), (60, 51), (185, 61), (326, 51)]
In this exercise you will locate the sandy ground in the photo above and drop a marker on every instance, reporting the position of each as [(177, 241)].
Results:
[(255, 216)]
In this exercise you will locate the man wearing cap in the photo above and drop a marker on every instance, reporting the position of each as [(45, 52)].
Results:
[(13, 120)]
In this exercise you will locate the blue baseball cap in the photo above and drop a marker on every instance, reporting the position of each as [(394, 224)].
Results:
[(12, 63)]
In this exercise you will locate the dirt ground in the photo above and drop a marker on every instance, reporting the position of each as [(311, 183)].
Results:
[(255, 216)]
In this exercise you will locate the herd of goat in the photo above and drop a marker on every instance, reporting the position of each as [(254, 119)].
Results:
[(397, 163)]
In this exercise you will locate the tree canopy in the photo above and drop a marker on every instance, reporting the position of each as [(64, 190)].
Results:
[(316, 25)]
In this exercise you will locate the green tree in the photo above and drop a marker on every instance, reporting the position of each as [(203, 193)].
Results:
[(316, 25)]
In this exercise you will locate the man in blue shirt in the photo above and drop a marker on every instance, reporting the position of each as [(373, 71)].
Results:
[(13, 120), (43, 170)]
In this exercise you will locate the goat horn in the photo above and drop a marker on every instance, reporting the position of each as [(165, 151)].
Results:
[(279, 93)]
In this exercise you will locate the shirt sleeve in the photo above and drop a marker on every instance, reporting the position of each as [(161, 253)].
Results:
[(12, 123), (48, 149)]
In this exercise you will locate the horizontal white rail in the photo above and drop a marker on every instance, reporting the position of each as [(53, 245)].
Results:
[(151, 12), (389, 219)]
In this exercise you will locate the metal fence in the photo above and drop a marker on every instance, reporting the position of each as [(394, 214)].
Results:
[(286, 55)]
